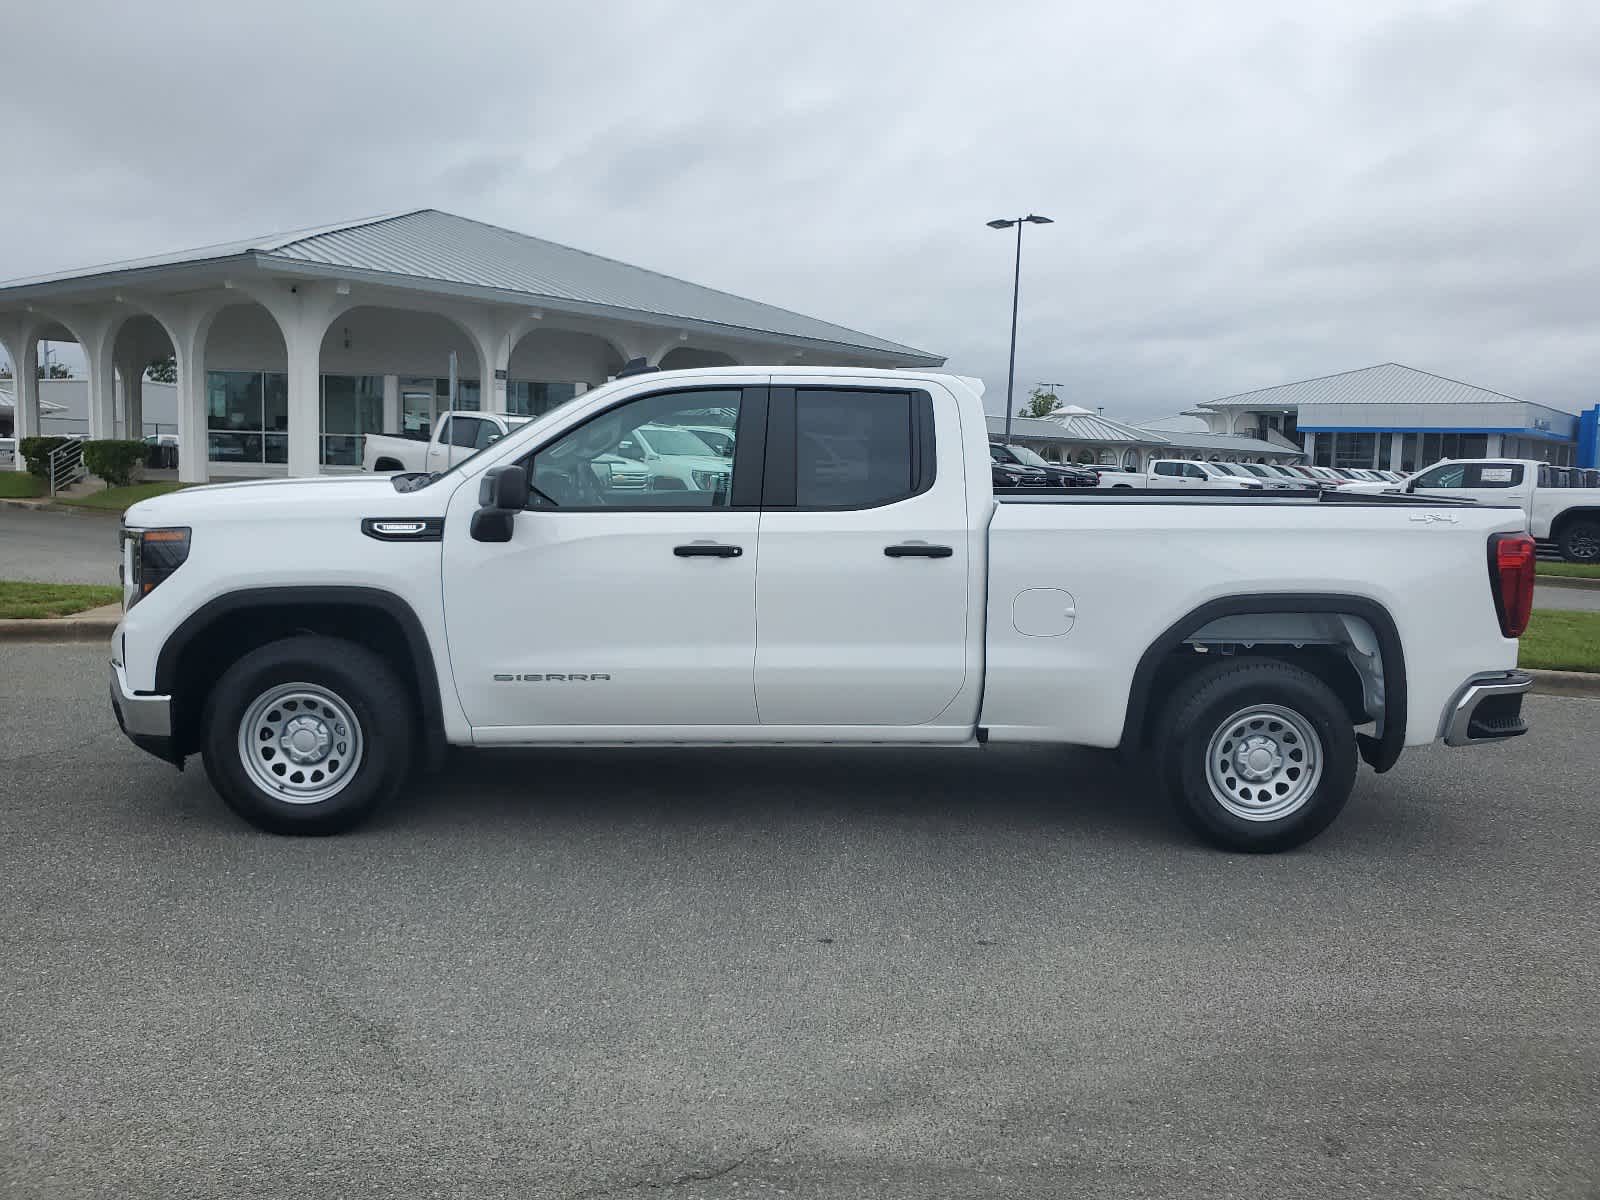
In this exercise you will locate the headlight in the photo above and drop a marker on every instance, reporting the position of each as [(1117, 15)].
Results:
[(709, 481), (152, 555)]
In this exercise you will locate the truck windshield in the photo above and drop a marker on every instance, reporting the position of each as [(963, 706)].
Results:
[(1028, 456)]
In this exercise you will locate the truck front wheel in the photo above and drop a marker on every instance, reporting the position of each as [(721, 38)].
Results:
[(1258, 755), (1580, 541), (307, 735)]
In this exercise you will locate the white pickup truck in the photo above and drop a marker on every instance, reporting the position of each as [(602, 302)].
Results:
[(1560, 504), (858, 582), (456, 435), (1180, 475)]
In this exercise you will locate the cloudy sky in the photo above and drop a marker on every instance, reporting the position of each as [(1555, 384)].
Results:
[(1244, 193)]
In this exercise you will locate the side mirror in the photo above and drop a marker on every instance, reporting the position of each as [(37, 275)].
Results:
[(502, 494)]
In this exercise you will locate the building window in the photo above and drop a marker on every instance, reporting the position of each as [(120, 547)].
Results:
[(528, 398), (352, 405), (1354, 449), (247, 416)]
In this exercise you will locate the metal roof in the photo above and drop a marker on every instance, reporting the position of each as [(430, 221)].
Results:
[(1177, 423), (1077, 427), (1389, 383), (1231, 443), (433, 246)]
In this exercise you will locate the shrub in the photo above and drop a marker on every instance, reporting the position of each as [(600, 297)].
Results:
[(37, 451), (117, 462)]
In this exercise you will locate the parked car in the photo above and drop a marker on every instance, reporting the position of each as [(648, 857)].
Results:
[(1056, 474), (1557, 507), (1179, 474), (1257, 472), (1252, 645)]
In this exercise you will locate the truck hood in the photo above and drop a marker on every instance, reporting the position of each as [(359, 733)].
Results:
[(317, 494)]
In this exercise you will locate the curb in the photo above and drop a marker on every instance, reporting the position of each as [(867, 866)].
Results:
[(1565, 683), (1566, 581), (57, 629), (57, 506)]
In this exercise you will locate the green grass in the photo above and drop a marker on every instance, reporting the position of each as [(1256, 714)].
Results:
[(1561, 641), (20, 485), (1570, 570), (32, 600), (118, 498)]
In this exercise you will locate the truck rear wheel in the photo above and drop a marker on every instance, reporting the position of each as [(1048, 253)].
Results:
[(1258, 755), (307, 735), (1580, 541)]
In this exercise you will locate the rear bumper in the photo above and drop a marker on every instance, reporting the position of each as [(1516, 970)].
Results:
[(1488, 708), (145, 720)]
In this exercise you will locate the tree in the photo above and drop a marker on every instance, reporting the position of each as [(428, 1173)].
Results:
[(57, 371), (1041, 403), (163, 370)]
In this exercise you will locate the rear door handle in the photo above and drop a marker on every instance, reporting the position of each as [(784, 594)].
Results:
[(707, 550), (917, 550)]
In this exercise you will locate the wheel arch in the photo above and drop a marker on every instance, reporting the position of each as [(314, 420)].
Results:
[(223, 629), (1566, 517), (1381, 751)]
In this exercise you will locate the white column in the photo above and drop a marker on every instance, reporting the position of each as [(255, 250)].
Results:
[(23, 350), (303, 310), (1311, 448), (1397, 444), (391, 403), (102, 379), (1495, 443), (130, 371), (305, 397)]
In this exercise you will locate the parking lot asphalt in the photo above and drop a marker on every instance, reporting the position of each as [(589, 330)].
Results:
[(728, 973), (57, 547)]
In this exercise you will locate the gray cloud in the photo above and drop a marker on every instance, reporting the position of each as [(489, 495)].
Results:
[(1244, 195)]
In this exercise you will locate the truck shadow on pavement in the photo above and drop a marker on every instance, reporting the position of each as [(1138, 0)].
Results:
[(1021, 789)]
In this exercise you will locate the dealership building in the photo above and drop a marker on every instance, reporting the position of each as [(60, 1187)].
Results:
[(1398, 418), (290, 347)]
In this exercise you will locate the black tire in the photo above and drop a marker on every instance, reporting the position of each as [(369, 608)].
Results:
[(1580, 541), (357, 680), (1214, 697), (387, 464)]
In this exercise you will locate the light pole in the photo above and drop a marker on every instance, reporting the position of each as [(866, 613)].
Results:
[(1016, 285)]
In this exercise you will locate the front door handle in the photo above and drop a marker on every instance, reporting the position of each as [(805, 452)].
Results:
[(707, 550), (917, 550)]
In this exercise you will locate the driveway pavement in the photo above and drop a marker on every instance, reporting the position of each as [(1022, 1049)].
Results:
[(998, 973), (57, 547), (1583, 599)]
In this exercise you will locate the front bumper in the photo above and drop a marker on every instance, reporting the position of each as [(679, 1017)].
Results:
[(146, 720), (1488, 708)]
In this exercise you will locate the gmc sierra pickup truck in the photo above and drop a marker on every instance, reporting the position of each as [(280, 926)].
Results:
[(1560, 505), (856, 581)]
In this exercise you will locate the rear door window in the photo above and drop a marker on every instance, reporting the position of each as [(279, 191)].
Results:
[(857, 449)]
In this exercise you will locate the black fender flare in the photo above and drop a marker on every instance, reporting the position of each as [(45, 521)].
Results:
[(1380, 752), (340, 597)]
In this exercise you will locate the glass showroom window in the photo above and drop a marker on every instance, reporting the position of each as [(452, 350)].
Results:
[(351, 406), (530, 399), (247, 416), (1355, 449)]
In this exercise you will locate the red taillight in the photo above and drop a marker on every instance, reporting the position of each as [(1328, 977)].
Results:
[(1511, 566)]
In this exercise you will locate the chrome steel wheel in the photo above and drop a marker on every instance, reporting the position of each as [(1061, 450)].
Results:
[(1264, 762), (300, 742)]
